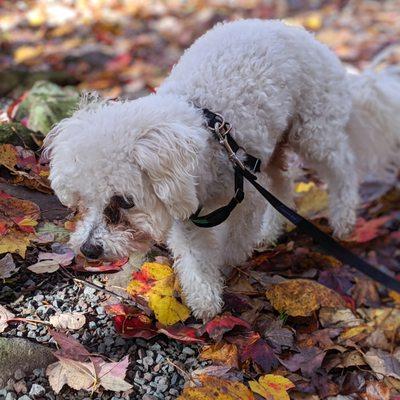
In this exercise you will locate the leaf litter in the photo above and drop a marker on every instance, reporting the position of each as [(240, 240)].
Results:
[(296, 322)]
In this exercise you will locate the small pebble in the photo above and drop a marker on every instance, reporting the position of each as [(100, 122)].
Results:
[(37, 391)]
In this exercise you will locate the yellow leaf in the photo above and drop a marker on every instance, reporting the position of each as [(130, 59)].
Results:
[(312, 202), (301, 297), (167, 309), (394, 296), (217, 389), (27, 222), (25, 53), (157, 271), (272, 387), (313, 21), (354, 331), (156, 282), (15, 242), (223, 353), (302, 187)]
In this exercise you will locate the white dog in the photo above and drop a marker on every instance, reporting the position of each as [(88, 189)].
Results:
[(139, 169)]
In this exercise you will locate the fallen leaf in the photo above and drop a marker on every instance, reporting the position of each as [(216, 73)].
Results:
[(221, 353), (217, 327), (44, 267), (53, 231), (367, 230), (216, 389), (255, 349), (69, 347), (376, 391), (157, 283), (301, 297), (7, 267), (83, 265), (5, 316), (272, 387), (51, 262), (73, 370), (365, 292), (338, 318), (27, 53), (312, 202), (45, 104), (278, 336), (137, 325), (167, 309), (185, 334), (308, 361), (15, 235), (71, 321), (383, 363), (25, 170)]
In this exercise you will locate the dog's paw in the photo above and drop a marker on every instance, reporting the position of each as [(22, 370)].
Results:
[(207, 308), (343, 222)]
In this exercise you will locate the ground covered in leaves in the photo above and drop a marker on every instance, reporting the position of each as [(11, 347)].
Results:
[(296, 323)]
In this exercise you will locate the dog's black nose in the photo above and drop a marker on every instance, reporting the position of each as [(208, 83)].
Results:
[(90, 250)]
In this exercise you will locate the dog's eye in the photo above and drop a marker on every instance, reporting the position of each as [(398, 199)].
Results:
[(124, 202), (112, 214)]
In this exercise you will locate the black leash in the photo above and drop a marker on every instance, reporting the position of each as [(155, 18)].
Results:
[(221, 131)]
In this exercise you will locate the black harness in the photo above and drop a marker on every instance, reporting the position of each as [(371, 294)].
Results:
[(245, 170)]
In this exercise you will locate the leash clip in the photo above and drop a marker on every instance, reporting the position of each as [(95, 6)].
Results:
[(222, 130)]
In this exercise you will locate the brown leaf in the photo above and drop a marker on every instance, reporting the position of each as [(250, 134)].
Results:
[(71, 321), (338, 318), (73, 369), (308, 361), (278, 336), (221, 353), (5, 316), (365, 292), (301, 297), (383, 363), (376, 391), (7, 267)]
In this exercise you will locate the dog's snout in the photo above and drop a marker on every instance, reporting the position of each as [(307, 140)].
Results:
[(91, 250)]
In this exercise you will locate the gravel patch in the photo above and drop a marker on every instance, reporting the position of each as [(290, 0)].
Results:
[(156, 366)]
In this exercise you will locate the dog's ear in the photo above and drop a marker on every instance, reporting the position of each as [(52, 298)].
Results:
[(169, 160)]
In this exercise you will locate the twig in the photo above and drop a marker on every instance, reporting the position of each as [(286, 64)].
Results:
[(183, 372), (97, 287)]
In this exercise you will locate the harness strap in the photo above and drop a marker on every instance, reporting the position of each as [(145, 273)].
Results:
[(221, 214)]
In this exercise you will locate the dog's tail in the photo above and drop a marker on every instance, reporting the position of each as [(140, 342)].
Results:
[(374, 125)]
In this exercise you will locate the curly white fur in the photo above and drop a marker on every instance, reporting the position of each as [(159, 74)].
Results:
[(264, 77)]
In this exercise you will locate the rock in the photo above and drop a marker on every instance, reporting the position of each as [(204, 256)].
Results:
[(24, 397), (21, 354), (188, 351), (10, 396), (37, 391)]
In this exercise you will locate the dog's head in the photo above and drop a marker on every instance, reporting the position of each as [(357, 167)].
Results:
[(130, 169)]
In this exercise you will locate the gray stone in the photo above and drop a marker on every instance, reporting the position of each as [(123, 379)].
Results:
[(17, 353), (11, 396), (24, 397), (37, 391), (188, 351)]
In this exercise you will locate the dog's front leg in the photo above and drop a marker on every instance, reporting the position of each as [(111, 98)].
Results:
[(197, 261)]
